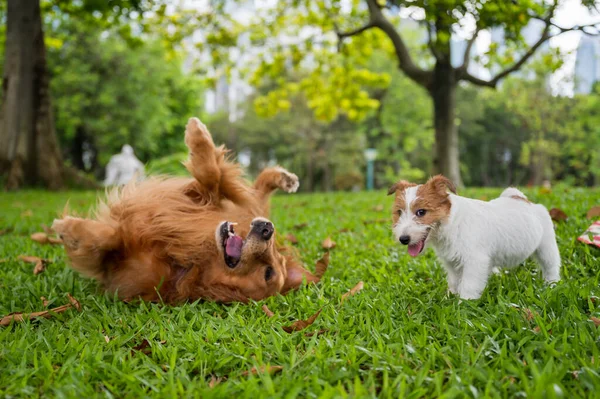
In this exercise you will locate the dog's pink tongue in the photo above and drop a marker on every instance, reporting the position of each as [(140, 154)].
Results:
[(415, 249), (233, 247)]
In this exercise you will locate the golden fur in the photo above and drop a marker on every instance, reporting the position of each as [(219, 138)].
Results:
[(159, 239)]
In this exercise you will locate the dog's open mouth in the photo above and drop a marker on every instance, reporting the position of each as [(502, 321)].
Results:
[(416, 248), (232, 244)]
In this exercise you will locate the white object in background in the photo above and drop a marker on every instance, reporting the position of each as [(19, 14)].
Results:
[(123, 167)]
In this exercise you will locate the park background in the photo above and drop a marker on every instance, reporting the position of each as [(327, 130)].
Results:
[(506, 89), (311, 85)]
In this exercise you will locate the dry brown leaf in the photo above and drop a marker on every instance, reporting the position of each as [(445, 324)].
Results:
[(29, 259), (291, 238), (40, 267), (529, 315), (267, 311), (311, 333), (45, 302), (143, 347), (262, 370), (74, 302), (537, 329), (42, 238), (6, 320), (378, 208), (594, 212), (328, 243), (301, 324), (345, 230), (595, 320), (575, 374), (299, 226), (322, 265), (354, 290), (558, 215), (107, 339), (214, 381), (27, 213)]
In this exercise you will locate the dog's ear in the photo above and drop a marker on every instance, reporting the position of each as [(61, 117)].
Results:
[(442, 184), (399, 186)]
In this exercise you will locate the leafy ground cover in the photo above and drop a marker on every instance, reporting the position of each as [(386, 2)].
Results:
[(402, 335)]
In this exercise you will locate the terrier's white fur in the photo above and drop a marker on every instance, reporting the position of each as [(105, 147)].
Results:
[(477, 237)]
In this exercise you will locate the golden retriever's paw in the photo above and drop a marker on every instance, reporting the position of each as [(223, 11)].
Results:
[(65, 229), (289, 181), (197, 134)]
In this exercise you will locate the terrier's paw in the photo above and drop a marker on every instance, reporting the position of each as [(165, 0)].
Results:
[(196, 134), (289, 181)]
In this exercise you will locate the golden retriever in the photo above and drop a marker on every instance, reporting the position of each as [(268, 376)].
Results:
[(177, 239)]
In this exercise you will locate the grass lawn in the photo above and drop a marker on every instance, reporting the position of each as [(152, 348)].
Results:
[(401, 336)]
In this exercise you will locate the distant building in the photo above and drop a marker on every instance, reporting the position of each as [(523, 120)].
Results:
[(587, 64)]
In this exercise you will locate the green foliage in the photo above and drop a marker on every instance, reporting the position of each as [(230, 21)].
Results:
[(112, 86), (401, 336)]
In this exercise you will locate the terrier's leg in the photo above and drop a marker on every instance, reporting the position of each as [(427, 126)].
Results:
[(271, 179), (475, 273)]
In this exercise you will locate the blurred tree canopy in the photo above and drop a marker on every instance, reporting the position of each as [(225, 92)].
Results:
[(329, 45)]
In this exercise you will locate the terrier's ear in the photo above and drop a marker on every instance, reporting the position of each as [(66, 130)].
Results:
[(399, 186), (442, 184)]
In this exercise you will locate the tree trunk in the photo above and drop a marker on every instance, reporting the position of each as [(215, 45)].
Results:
[(30, 153), (446, 150)]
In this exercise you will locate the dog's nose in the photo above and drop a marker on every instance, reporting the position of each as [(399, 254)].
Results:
[(264, 229), (405, 239)]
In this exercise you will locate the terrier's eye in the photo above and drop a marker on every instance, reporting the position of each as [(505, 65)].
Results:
[(399, 212), (420, 212)]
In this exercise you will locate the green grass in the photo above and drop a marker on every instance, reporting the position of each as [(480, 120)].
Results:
[(401, 336)]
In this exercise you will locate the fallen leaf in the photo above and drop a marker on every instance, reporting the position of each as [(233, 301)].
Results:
[(301, 324), (311, 333), (262, 370), (594, 212), (42, 238), (529, 315), (143, 347), (267, 311), (40, 267), (354, 290), (378, 208), (344, 230), (545, 190), (107, 339), (328, 243), (6, 320), (214, 381), (575, 374), (299, 226), (45, 302), (322, 265), (595, 320), (27, 213), (74, 302), (558, 215), (291, 238), (537, 329), (29, 259)]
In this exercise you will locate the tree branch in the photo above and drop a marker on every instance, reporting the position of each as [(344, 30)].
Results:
[(405, 62), (470, 43), (438, 56)]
